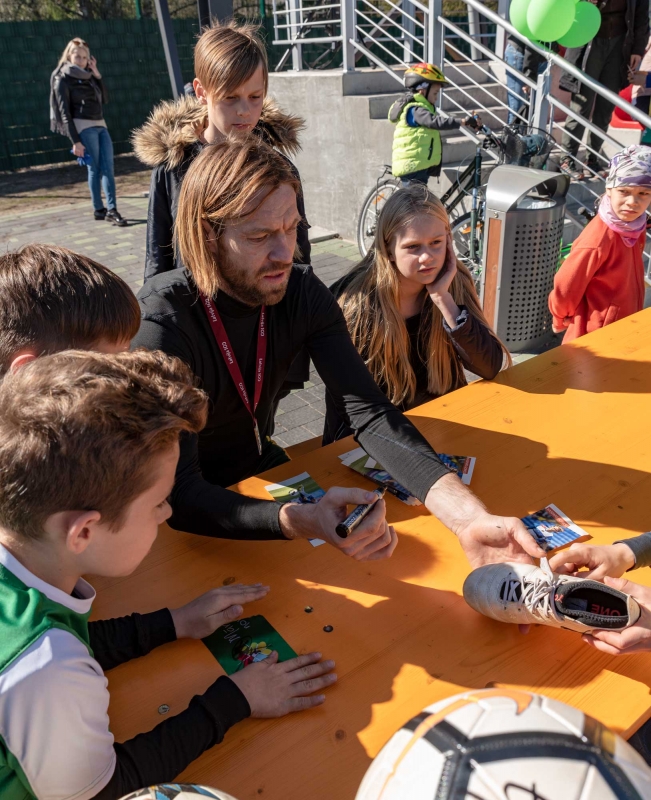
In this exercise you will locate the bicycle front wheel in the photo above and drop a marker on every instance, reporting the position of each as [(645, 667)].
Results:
[(373, 204), (460, 229)]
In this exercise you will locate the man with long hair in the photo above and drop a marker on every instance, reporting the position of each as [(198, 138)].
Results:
[(238, 316)]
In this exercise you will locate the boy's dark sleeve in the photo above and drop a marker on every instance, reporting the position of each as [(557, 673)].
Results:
[(161, 754), (478, 351), (115, 641), (159, 252), (641, 547), (425, 119), (62, 94)]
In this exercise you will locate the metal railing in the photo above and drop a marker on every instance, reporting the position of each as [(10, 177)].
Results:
[(391, 34), (540, 105)]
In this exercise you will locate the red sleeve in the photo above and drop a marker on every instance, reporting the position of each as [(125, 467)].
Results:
[(573, 277)]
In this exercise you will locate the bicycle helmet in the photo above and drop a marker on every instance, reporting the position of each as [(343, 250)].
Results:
[(420, 76)]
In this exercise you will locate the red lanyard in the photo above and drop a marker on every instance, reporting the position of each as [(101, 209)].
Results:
[(224, 345)]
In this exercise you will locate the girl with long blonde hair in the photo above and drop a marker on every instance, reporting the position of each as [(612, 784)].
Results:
[(412, 309)]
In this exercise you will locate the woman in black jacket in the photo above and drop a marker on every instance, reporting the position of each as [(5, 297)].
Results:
[(76, 109), (412, 309)]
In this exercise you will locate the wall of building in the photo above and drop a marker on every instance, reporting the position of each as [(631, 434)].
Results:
[(343, 149)]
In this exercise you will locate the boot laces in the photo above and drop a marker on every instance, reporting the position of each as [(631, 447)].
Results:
[(538, 592)]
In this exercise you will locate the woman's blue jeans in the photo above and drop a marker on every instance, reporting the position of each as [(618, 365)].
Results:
[(97, 142), (514, 59)]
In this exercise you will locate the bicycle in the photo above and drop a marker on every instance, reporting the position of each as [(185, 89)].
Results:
[(527, 148)]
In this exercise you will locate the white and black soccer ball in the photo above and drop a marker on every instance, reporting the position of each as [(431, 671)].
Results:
[(178, 791), (505, 744)]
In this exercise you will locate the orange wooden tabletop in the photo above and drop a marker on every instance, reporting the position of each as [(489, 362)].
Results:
[(570, 427)]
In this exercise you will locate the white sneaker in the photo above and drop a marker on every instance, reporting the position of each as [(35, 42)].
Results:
[(524, 594)]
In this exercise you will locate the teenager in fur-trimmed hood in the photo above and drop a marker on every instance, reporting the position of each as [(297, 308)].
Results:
[(230, 85)]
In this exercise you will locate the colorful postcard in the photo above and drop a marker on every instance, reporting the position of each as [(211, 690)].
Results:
[(246, 641), (463, 465), (361, 462), (552, 529), (301, 489)]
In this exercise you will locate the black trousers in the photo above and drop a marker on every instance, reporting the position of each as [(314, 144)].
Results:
[(604, 65)]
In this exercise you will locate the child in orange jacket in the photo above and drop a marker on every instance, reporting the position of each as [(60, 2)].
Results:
[(602, 280)]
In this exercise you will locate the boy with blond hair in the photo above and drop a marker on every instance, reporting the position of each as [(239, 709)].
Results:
[(232, 77), (88, 452)]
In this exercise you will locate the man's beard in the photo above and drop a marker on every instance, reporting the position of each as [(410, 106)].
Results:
[(235, 282)]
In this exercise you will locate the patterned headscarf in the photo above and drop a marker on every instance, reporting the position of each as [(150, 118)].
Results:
[(630, 167)]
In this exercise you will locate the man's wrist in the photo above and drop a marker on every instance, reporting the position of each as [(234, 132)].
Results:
[(294, 520), (453, 503), (626, 555)]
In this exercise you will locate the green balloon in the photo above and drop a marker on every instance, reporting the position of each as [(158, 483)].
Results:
[(518, 17), (548, 20), (587, 21)]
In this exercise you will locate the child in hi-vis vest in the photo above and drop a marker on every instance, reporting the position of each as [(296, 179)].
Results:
[(417, 139)]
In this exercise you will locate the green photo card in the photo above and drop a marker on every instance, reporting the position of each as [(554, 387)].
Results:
[(246, 641)]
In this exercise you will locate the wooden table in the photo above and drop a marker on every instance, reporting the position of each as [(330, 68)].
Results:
[(570, 427)]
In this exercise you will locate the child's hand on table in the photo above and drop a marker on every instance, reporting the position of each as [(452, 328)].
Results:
[(635, 639), (610, 560), (274, 689), (201, 617)]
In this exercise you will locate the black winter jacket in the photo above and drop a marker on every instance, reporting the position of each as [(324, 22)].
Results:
[(78, 99), (635, 43), (169, 143)]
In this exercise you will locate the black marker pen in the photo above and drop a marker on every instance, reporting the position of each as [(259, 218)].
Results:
[(345, 528)]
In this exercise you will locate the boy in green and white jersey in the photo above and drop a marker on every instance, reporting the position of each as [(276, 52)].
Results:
[(55, 741)]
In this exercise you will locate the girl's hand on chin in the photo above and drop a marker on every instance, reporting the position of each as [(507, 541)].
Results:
[(441, 284)]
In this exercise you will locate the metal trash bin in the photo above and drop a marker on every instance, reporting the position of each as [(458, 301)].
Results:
[(525, 212)]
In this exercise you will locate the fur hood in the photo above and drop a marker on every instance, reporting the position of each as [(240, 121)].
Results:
[(174, 125)]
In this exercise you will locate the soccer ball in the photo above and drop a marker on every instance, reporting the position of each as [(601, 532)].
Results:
[(505, 744), (178, 791)]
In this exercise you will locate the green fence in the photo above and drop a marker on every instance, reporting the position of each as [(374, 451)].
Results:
[(132, 62)]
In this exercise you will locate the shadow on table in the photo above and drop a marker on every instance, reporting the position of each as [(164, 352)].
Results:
[(579, 369), (412, 645), (590, 492)]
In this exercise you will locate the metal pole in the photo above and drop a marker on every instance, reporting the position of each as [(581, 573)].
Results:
[(500, 40), (542, 106), (138, 9), (203, 10), (295, 20), (435, 52), (408, 24), (473, 31), (347, 33), (169, 46), (221, 10)]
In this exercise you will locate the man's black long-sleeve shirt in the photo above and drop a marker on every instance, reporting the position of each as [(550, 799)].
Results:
[(225, 452)]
